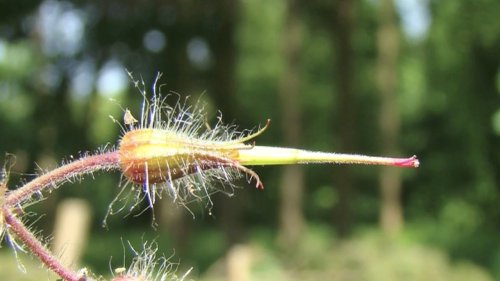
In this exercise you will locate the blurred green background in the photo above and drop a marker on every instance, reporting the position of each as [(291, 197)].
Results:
[(379, 77)]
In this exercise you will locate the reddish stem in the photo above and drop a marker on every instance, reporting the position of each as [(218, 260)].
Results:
[(38, 249), (85, 165), (52, 179)]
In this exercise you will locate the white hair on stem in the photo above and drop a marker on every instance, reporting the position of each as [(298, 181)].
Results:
[(147, 266)]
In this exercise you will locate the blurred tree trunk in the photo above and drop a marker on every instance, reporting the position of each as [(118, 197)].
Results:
[(223, 44), (223, 89), (172, 218), (292, 181), (391, 218), (55, 133), (344, 120)]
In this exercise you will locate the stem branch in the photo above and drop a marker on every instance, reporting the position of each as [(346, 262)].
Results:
[(85, 165), (37, 248)]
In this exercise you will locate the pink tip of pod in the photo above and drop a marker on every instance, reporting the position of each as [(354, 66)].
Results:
[(411, 162)]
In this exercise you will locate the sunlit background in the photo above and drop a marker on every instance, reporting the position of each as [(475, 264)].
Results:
[(378, 77)]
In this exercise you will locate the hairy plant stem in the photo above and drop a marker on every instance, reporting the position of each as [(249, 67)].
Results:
[(52, 179), (85, 165), (239, 153), (37, 248)]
